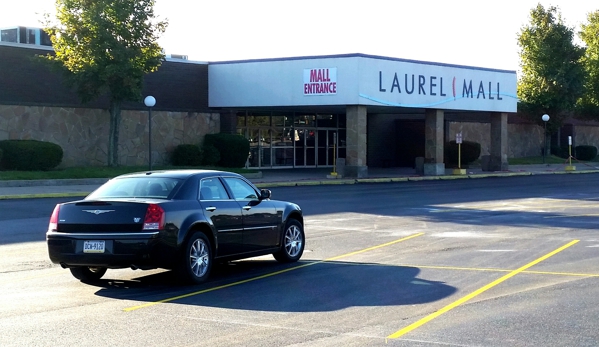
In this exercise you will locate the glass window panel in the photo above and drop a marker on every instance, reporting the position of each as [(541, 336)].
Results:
[(329, 120), (240, 119), (342, 121), (253, 135), (9, 35), (258, 120), (283, 156), (31, 36), (282, 119), (305, 120), (241, 189), (278, 121), (341, 139), (212, 189), (45, 39)]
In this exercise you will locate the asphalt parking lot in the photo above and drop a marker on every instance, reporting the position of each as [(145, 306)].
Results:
[(496, 262)]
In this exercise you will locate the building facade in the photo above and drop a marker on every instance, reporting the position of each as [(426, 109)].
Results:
[(301, 112)]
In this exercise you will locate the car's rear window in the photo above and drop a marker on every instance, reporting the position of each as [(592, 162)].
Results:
[(136, 187)]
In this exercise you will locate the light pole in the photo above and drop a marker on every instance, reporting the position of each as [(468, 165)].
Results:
[(545, 119), (150, 101)]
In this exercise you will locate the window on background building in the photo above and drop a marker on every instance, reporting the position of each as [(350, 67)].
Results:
[(31, 36), (8, 35), (45, 39)]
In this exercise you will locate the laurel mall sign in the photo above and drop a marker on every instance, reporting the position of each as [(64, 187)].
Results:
[(359, 79)]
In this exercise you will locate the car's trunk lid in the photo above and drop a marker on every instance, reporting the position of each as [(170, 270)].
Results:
[(102, 216)]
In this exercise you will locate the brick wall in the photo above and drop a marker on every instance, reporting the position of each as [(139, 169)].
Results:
[(83, 133)]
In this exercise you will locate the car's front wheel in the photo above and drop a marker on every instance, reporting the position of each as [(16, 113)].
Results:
[(197, 259), (292, 246), (88, 273)]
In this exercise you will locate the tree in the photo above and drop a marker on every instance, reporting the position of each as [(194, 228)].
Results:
[(588, 105), (106, 47), (552, 75)]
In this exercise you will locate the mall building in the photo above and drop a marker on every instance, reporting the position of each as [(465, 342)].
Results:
[(299, 112), (369, 110)]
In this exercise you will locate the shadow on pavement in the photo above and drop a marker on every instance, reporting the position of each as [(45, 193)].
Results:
[(326, 286)]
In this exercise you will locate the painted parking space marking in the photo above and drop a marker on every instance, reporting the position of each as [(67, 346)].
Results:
[(477, 292), (270, 274), (460, 268)]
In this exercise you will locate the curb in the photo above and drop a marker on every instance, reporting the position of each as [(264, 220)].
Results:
[(29, 183)]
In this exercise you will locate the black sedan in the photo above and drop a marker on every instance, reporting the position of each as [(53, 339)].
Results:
[(182, 220)]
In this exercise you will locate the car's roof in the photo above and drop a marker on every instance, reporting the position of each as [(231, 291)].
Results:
[(179, 174)]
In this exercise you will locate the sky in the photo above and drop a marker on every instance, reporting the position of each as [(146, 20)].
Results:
[(463, 32)]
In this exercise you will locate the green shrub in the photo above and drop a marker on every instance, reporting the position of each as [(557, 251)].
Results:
[(470, 152), (186, 155), (585, 153), (210, 155), (233, 149), (561, 152), (30, 155), (1, 155)]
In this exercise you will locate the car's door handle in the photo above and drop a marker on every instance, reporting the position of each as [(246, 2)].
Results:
[(211, 209), (246, 208)]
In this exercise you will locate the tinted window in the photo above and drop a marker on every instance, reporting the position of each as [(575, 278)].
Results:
[(241, 189), (212, 189), (136, 187)]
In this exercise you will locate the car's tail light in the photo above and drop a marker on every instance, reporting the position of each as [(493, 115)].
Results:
[(53, 226), (154, 218)]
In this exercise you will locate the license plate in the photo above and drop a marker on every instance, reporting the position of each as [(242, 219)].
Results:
[(93, 246)]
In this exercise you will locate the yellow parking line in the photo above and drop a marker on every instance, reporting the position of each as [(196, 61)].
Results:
[(499, 270), (476, 293), (269, 274)]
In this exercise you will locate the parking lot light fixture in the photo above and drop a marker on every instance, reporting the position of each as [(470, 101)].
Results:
[(150, 101), (545, 119)]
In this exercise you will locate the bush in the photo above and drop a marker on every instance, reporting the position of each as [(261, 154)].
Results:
[(186, 155), (560, 152), (233, 149), (30, 155), (0, 155), (585, 153), (210, 155), (470, 152)]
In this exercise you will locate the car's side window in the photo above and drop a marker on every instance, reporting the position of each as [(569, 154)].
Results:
[(212, 189), (241, 189)]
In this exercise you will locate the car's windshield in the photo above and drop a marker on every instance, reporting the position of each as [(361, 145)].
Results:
[(136, 187)]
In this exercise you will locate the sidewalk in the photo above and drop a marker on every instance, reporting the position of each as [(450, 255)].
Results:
[(285, 177)]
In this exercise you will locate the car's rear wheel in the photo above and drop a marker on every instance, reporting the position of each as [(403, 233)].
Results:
[(292, 246), (197, 259), (88, 273)]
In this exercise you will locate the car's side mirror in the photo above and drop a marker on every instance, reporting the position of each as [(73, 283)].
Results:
[(264, 194)]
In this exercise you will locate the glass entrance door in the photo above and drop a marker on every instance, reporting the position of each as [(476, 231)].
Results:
[(327, 151), (305, 147)]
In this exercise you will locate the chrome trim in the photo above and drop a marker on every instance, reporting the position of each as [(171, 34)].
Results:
[(97, 212), (260, 228), (227, 230)]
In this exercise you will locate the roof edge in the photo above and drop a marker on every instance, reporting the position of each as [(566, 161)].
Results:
[(358, 55)]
